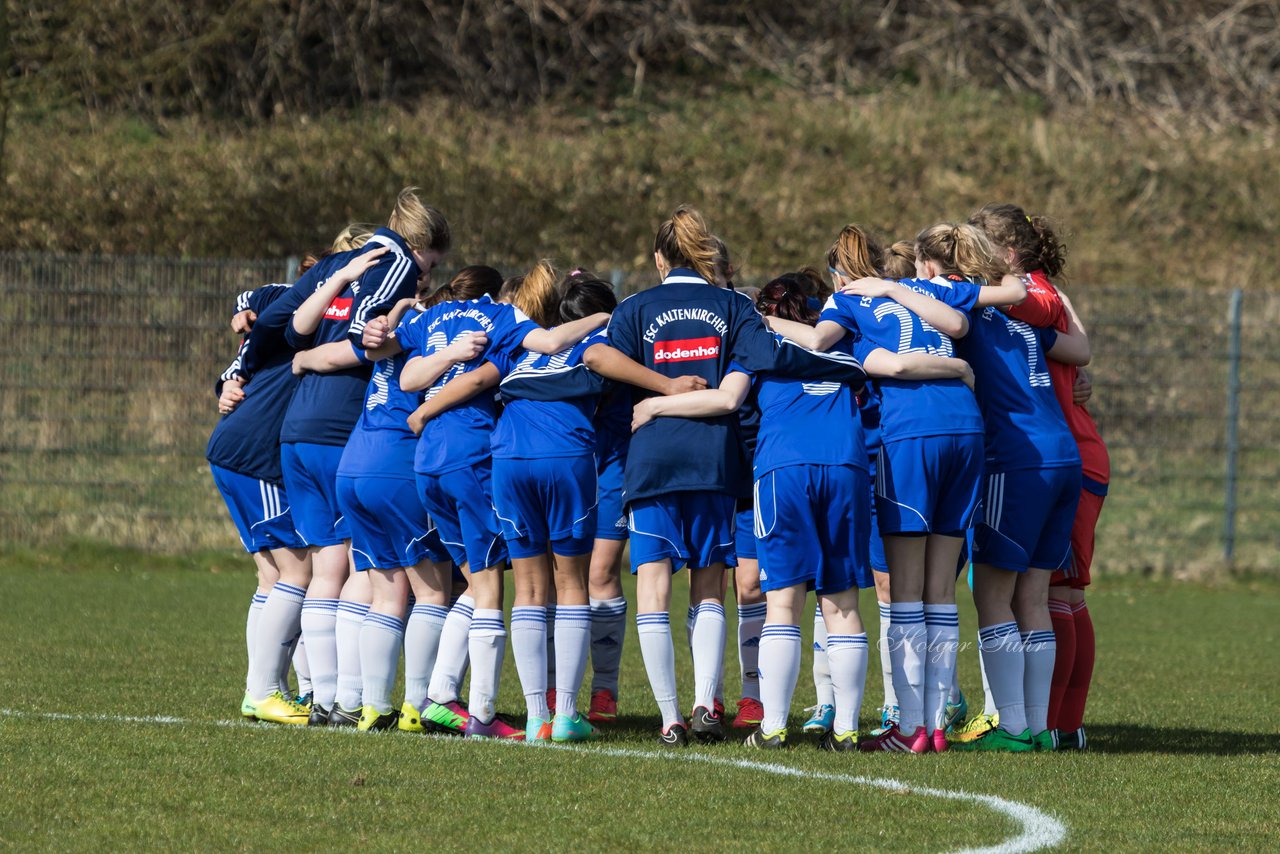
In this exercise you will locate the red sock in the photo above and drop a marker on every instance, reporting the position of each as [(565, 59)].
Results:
[(1071, 716), (1064, 632)]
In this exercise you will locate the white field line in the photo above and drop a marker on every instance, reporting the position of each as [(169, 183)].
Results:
[(1039, 830)]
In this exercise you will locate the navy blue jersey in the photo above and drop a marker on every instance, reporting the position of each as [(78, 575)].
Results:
[(911, 408), (459, 437), (269, 331), (548, 402), (1025, 427), (247, 440), (381, 444), (806, 422), (326, 406)]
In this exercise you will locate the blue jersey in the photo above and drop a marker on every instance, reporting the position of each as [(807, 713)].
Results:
[(326, 406), (459, 437), (549, 402), (247, 440), (869, 413), (911, 408), (1025, 427), (686, 326), (269, 333), (382, 444), (808, 423)]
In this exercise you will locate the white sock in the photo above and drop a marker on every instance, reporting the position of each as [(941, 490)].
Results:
[(488, 642), (452, 654), (908, 640), (421, 641), (381, 637), (1040, 649), (608, 628), (659, 654), (821, 663), (251, 630), (346, 632), (573, 636), (318, 619), (942, 626), (955, 694), (298, 655), (277, 626), (529, 644), (779, 654), (709, 632), (1002, 652), (849, 655), (551, 646), (988, 699), (750, 624), (886, 662)]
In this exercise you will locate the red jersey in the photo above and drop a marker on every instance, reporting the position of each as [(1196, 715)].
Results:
[(1043, 308)]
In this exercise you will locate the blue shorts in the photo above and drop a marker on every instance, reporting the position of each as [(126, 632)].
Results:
[(461, 504), (389, 528), (812, 523), (744, 540), (311, 476), (875, 543), (1027, 517), (260, 511), (689, 528), (546, 502), (928, 485), (611, 516)]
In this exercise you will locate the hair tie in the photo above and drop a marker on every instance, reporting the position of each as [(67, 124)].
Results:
[(1028, 219)]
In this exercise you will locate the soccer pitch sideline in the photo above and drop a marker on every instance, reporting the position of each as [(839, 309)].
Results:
[(119, 729)]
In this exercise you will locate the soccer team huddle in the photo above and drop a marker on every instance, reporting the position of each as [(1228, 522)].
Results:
[(390, 451)]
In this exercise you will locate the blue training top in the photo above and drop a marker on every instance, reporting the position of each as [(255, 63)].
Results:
[(326, 406), (1025, 428), (686, 326), (911, 408), (549, 403), (459, 437), (382, 445), (247, 440)]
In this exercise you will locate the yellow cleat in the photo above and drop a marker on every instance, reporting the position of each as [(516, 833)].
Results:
[(247, 709), (279, 709), (372, 720), (974, 729), (410, 719)]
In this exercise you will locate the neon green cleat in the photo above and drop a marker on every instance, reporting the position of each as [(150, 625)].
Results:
[(845, 742), (956, 713), (246, 708), (410, 719), (1046, 740), (279, 709), (372, 720), (975, 727), (998, 740), (446, 718), (761, 740), (576, 728)]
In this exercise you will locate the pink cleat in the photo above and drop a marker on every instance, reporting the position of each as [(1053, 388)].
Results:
[(938, 741), (893, 741), (496, 728)]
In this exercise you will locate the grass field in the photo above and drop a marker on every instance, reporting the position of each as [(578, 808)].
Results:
[(1183, 728)]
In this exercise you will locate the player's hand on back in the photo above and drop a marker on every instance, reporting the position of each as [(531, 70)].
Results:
[(376, 332), (467, 346), (356, 267), (679, 385), (299, 363), (1082, 391), (242, 321), (232, 394), (642, 414), (867, 287)]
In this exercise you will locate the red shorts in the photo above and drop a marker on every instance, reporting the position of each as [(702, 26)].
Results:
[(1087, 512)]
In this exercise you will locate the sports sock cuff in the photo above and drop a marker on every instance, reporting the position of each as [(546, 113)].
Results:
[(709, 608), (609, 607), (574, 614), (835, 642), (906, 613), (773, 631), (551, 611), (655, 622), (282, 589), (817, 611), (465, 606), (386, 622), (886, 613), (355, 610), (1038, 637), (258, 599), (1077, 607), (1060, 607), (330, 605), (434, 613), (992, 637), (941, 615), (753, 612), (488, 622), (527, 614)]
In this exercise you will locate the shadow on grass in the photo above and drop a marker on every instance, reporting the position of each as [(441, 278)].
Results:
[(1137, 738)]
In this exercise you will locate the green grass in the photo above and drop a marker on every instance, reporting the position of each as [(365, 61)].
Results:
[(1182, 725)]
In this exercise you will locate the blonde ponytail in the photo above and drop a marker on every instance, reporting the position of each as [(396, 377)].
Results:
[(960, 249), (855, 253), (538, 296), (685, 241), (421, 226), (354, 236)]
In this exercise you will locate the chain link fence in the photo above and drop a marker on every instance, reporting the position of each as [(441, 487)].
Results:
[(106, 402)]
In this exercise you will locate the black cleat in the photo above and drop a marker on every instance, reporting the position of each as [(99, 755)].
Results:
[(707, 726), (847, 742), (675, 735), (319, 715), (773, 741), (1072, 740), (340, 717)]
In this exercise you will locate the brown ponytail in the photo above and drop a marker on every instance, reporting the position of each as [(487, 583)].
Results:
[(900, 260), (537, 295), (1035, 245), (685, 241), (467, 284), (855, 253), (960, 250)]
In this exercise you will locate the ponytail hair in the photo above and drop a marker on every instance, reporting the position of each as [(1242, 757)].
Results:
[(1033, 241), (421, 226), (900, 260), (354, 236), (723, 265), (537, 296), (585, 297), (856, 253), (467, 284), (960, 249), (787, 297), (685, 241)]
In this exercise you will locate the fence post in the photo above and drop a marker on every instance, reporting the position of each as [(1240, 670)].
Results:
[(1233, 427), (291, 265)]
